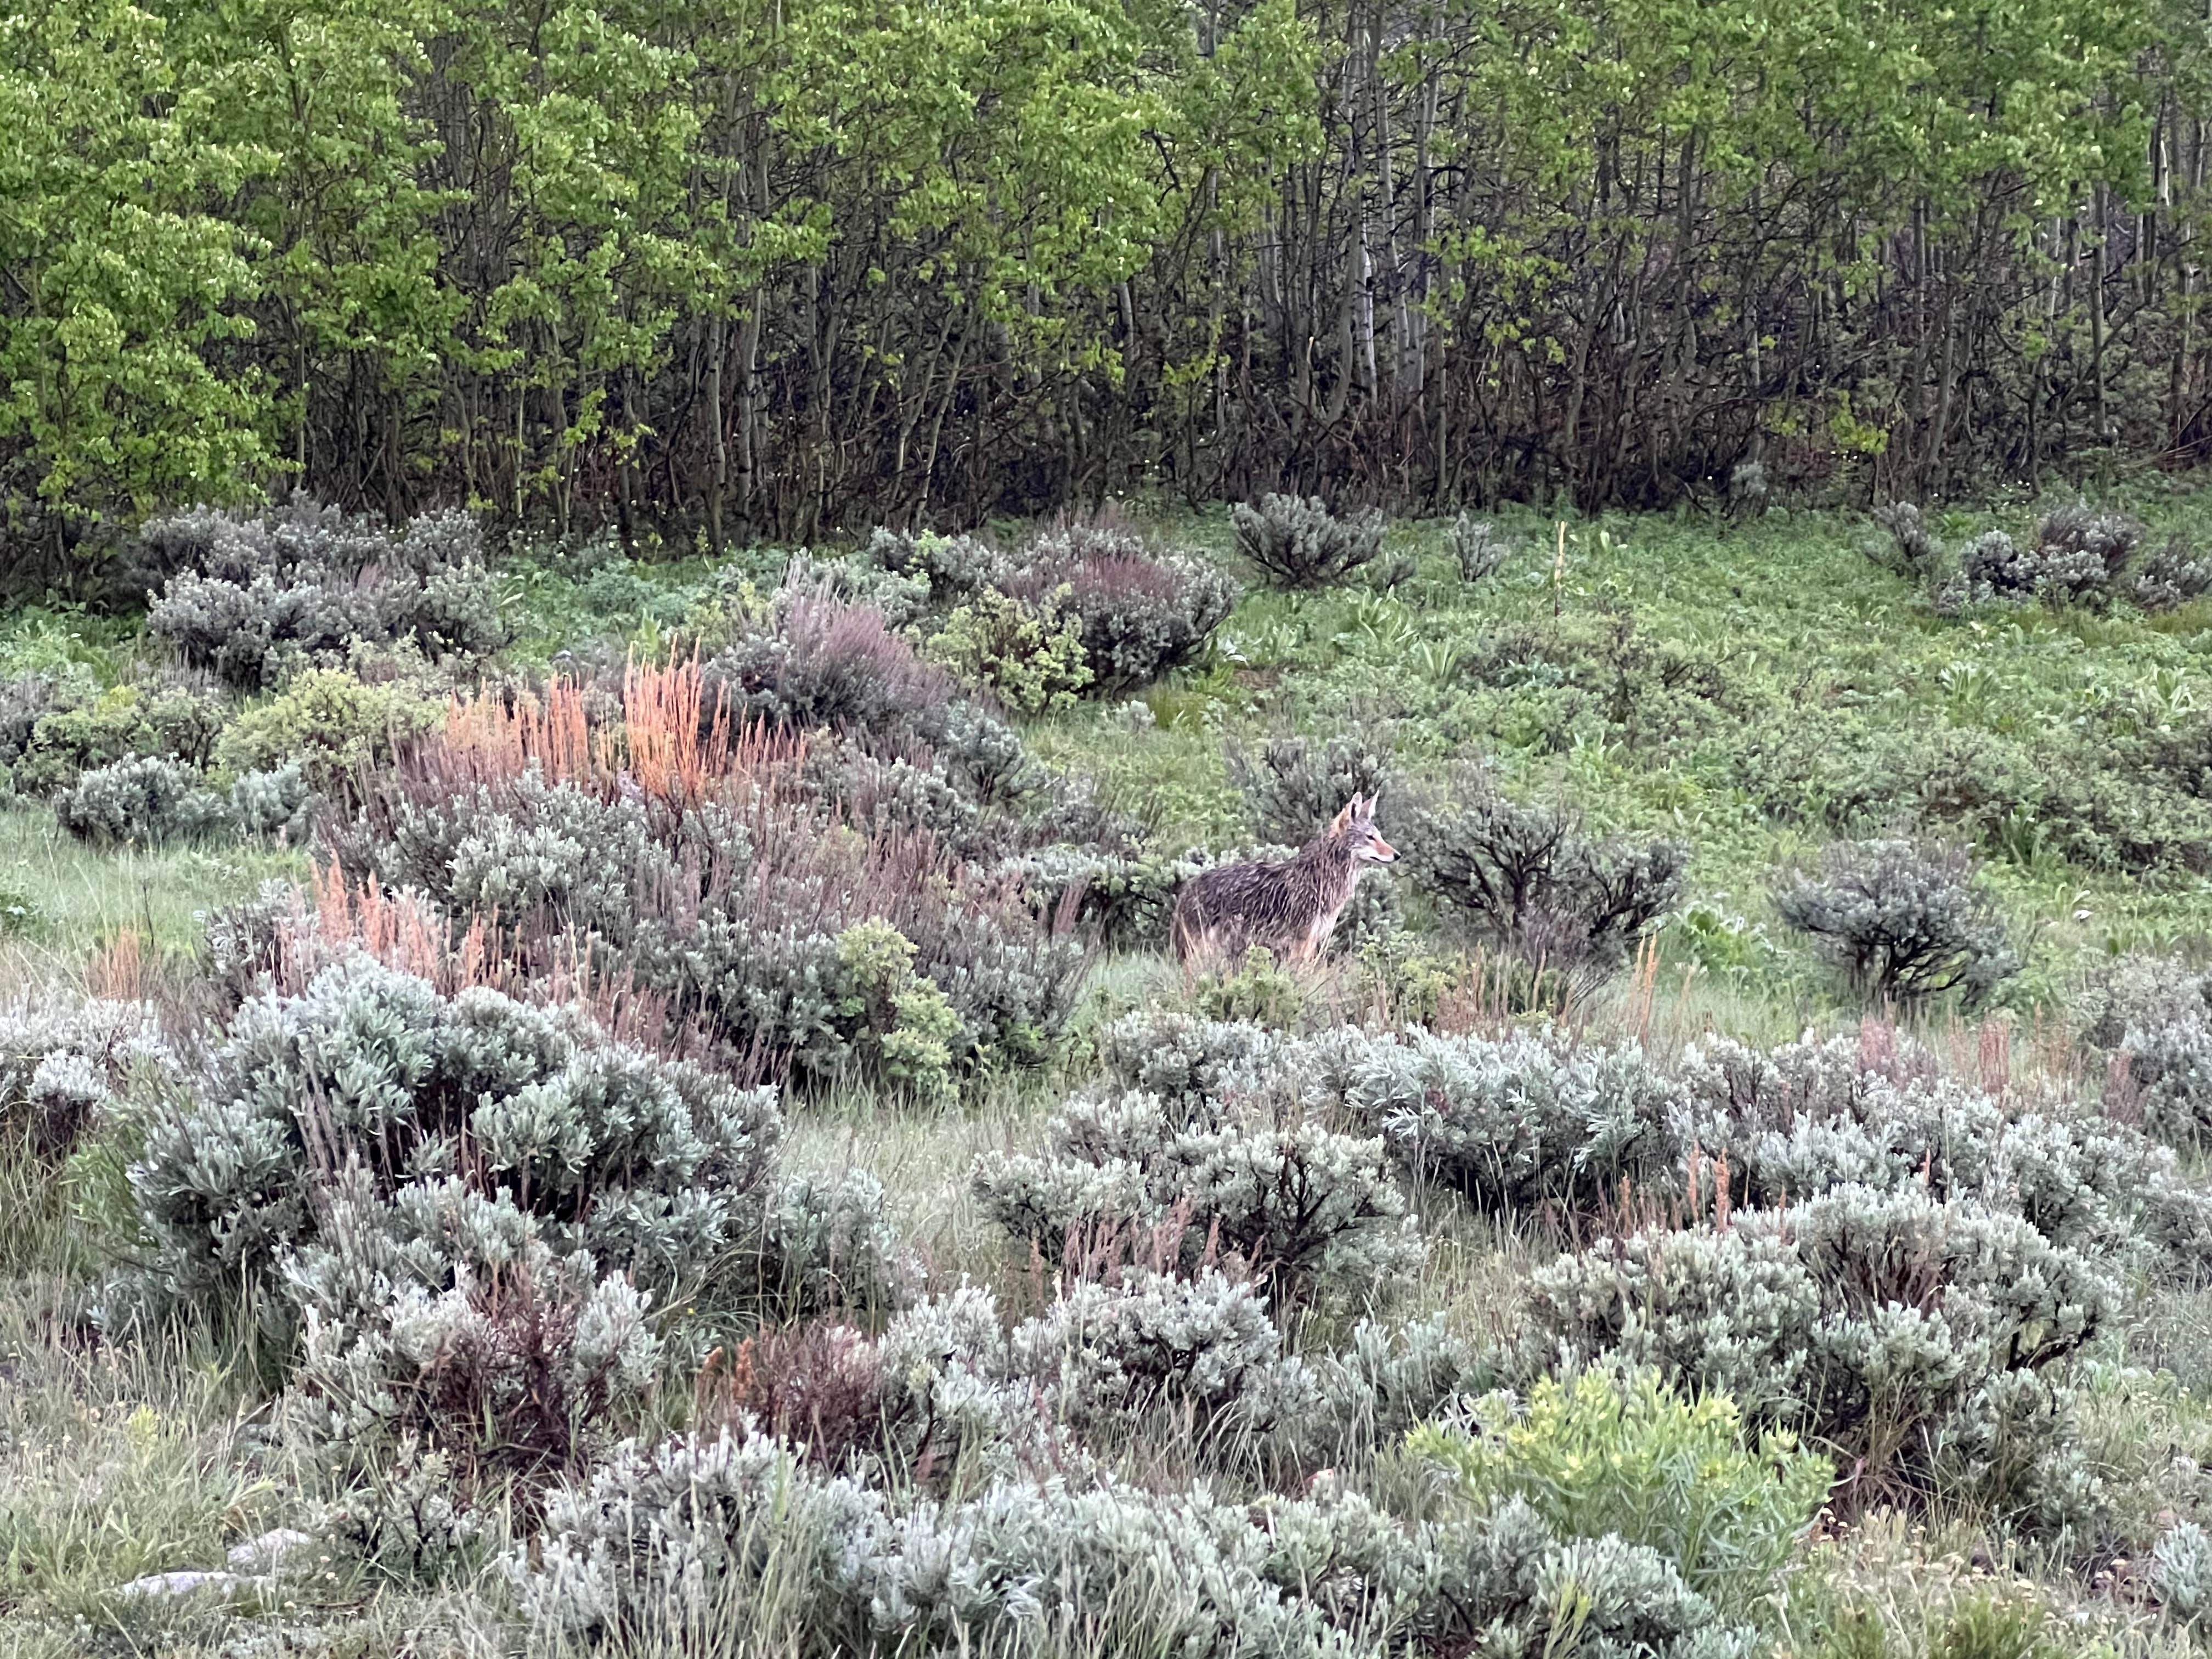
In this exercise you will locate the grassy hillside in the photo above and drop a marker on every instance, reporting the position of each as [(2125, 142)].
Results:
[(1968, 1244)]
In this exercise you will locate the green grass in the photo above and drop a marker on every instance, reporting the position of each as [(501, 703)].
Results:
[(1792, 616), (78, 899)]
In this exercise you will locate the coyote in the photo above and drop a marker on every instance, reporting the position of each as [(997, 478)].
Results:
[(1289, 905)]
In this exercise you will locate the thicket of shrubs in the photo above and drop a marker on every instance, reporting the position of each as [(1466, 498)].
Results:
[(1200, 1174), (2079, 556), (63, 730), (2152, 1019), (447, 1208), (844, 1569), (447, 1218), (1920, 1341), (258, 596), (355, 629), (1141, 614), (1085, 608), (1525, 1124), (798, 939), (139, 802), (66, 1060)]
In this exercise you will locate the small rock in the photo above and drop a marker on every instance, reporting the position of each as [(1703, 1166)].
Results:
[(269, 1553), (174, 1586)]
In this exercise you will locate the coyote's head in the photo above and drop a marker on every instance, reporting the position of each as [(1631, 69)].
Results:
[(1354, 827)]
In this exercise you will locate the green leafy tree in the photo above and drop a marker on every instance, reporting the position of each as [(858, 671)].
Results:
[(125, 374)]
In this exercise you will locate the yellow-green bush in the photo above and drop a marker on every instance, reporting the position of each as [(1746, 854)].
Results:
[(328, 721), (1031, 655), (1629, 1456), (907, 1020)]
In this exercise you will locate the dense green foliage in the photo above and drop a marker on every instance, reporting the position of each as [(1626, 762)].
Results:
[(1631, 1458), (690, 269)]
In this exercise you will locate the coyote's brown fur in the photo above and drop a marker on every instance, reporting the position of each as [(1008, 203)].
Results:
[(1289, 905)]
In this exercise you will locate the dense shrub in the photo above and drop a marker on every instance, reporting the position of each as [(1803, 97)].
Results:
[(1906, 923), (1911, 550), (657, 1540), (1384, 1381), (722, 1531), (1477, 547), (260, 595), (1189, 1063), (1301, 543), (2154, 1017), (330, 725), (822, 662), (25, 700), (1628, 1457), (1812, 1115), (902, 599), (707, 1532), (900, 796), (65, 1059), (1310, 1208), (431, 1316), (1027, 653), (954, 566), (2171, 576), (1917, 1341), (1525, 1122), (450, 1216), (1837, 769), (1141, 614), (828, 1246), (2101, 810), (276, 804), (738, 913), (2080, 556), (907, 1024), (1528, 882), (1123, 895), (140, 803), (2181, 1571), (1547, 683), (1199, 1352), (1293, 787), (456, 1130), (126, 722)]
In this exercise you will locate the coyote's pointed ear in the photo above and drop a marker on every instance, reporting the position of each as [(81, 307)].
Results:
[(1343, 819)]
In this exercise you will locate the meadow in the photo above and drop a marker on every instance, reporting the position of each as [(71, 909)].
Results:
[(557, 1103)]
